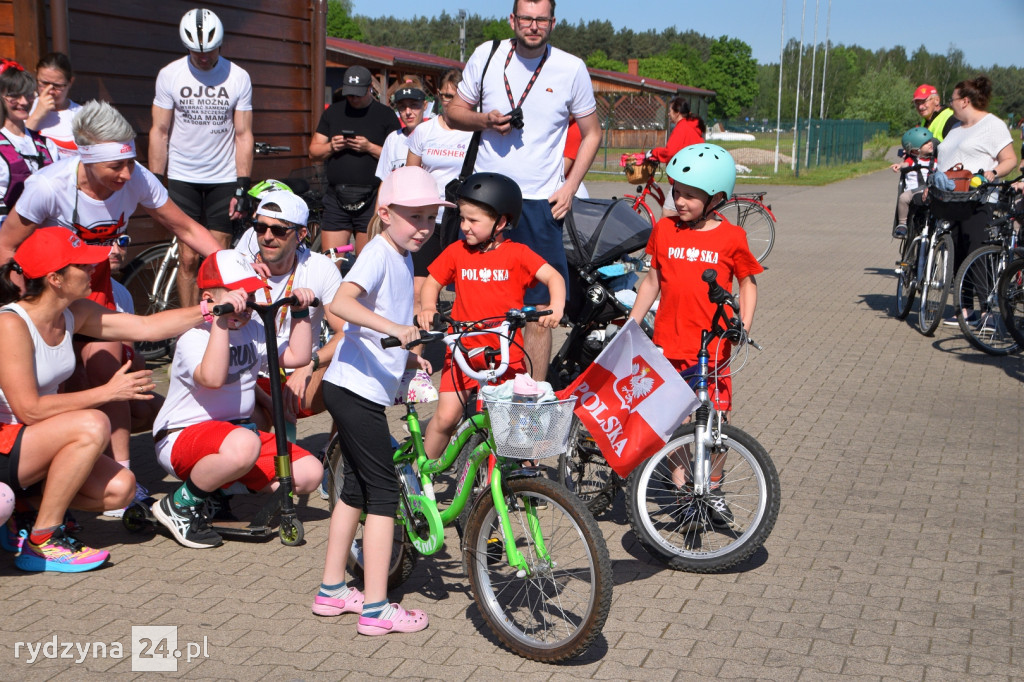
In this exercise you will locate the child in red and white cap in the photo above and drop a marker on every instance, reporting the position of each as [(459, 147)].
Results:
[(203, 433)]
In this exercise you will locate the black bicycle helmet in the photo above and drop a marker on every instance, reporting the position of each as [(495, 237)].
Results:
[(499, 192)]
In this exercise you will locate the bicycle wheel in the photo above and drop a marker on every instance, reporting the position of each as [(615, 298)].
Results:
[(755, 220), (935, 287), (906, 279), (403, 557), (153, 293), (688, 532), (1011, 299), (585, 472), (642, 208), (977, 280), (558, 609)]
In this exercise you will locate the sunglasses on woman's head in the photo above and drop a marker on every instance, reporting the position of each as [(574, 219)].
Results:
[(278, 231)]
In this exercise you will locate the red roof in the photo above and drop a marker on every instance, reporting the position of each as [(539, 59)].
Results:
[(389, 56), (649, 83)]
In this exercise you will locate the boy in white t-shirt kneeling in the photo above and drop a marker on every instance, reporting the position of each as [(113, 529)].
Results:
[(204, 434)]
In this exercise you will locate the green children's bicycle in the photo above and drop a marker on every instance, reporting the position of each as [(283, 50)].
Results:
[(538, 565)]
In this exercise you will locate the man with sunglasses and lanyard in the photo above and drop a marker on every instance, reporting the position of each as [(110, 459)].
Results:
[(276, 240), (541, 86)]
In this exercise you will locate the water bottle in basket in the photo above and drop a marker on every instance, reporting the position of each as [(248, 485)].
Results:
[(525, 391)]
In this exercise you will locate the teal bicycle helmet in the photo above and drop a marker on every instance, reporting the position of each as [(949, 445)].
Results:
[(707, 167), (915, 138), (260, 188)]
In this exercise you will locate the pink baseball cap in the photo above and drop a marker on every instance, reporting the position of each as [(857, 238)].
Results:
[(925, 91), (228, 269), (410, 186)]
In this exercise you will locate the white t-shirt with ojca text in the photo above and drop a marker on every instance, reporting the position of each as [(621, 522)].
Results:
[(532, 156), (51, 197), (359, 363), (202, 144), (189, 403)]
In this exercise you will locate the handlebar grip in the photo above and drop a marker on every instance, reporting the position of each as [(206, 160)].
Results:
[(292, 300), (225, 308), (716, 294), (222, 309), (394, 341), (390, 342)]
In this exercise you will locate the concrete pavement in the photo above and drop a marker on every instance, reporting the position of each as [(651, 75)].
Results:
[(894, 557)]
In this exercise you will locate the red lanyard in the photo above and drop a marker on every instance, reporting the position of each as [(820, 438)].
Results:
[(533, 78), (287, 291)]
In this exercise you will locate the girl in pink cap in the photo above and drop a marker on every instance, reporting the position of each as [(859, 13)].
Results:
[(376, 299)]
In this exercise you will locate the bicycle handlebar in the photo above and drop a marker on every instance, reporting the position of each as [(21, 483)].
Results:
[(225, 308), (265, 148), (722, 298)]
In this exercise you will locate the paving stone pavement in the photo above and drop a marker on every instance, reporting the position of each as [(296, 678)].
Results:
[(894, 556)]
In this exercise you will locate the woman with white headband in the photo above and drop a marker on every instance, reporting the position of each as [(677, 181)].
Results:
[(94, 196)]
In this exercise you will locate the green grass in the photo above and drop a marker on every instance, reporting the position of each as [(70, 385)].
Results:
[(765, 175)]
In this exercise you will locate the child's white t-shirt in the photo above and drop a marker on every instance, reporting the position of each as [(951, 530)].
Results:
[(360, 364), (189, 403), (912, 180)]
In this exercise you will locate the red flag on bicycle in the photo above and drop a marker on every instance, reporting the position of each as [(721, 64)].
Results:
[(630, 399)]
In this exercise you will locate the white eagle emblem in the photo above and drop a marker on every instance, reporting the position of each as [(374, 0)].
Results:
[(692, 254)]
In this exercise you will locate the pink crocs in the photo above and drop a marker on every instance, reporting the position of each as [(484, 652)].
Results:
[(329, 606), (401, 621)]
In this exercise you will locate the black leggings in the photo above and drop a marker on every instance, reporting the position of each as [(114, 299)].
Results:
[(970, 221), (370, 481)]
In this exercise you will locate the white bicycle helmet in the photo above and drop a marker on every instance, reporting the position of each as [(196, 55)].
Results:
[(201, 30)]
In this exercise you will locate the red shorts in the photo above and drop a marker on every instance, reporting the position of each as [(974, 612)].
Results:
[(720, 390), (264, 383), (454, 379), (201, 440)]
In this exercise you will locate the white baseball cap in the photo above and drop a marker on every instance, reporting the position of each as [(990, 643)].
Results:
[(410, 186), (292, 207)]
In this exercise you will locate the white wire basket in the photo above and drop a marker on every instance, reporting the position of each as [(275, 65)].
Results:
[(530, 430)]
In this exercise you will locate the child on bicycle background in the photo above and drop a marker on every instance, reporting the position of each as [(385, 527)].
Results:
[(376, 299), (918, 163), (682, 247), (204, 433), (491, 275)]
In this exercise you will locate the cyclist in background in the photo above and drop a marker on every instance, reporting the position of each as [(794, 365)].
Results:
[(202, 137), (52, 112), (935, 117)]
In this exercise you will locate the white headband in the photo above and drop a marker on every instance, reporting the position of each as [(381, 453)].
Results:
[(107, 151)]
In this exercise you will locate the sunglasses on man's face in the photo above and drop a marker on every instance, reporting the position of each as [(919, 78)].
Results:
[(278, 231), (123, 241)]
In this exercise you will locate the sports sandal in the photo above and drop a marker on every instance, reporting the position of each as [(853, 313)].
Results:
[(400, 621), (329, 606)]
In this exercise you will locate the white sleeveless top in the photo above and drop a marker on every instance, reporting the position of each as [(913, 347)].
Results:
[(53, 364)]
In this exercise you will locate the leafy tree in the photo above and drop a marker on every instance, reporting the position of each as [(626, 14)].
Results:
[(732, 73), (666, 69), (599, 60), (339, 20), (882, 96), (498, 29)]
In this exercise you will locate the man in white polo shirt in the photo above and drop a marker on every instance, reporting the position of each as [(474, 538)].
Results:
[(207, 152), (543, 86)]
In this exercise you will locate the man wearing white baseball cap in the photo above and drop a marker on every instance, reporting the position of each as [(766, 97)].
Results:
[(276, 239)]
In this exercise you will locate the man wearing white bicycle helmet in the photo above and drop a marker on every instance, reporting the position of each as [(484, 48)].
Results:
[(201, 137)]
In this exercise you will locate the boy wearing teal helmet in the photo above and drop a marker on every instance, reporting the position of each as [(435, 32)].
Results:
[(682, 247), (918, 163)]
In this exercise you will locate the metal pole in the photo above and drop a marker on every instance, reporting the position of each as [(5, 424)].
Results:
[(799, 65), (810, 95), (462, 36), (778, 109), (824, 65)]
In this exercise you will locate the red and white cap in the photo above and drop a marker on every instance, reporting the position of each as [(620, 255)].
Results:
[(410, 186), (228, 269), (925, 91), (49, 249)]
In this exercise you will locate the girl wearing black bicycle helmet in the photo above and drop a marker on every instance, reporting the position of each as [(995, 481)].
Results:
[(491, 275)]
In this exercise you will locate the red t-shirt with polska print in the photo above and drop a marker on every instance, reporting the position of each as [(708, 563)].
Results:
[(681, 256), (487, 284)]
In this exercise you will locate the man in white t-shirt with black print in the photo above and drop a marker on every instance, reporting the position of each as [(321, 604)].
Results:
[(546, 85), (202, 137), (276, 240)]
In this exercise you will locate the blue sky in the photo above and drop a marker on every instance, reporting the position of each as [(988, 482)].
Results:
[(987, 31)]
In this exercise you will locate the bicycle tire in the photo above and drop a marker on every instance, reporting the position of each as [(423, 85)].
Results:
[(139, 279), (906, 280), (642, 208), (1011, 299), (980, 271), (755, 220), (533, 615), (403, 556), (585, 472), (936, 285), (750, 484)]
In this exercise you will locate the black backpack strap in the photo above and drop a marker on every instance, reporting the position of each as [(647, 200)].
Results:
[(469, 162)]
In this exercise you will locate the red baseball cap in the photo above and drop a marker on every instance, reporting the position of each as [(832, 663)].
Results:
[(228, 269), (49, 249), (925, 91)]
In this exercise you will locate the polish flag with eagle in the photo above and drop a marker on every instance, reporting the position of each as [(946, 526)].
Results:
[(630, 399)]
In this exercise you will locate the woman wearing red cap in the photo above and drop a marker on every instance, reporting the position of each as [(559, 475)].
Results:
[(51, 443)]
